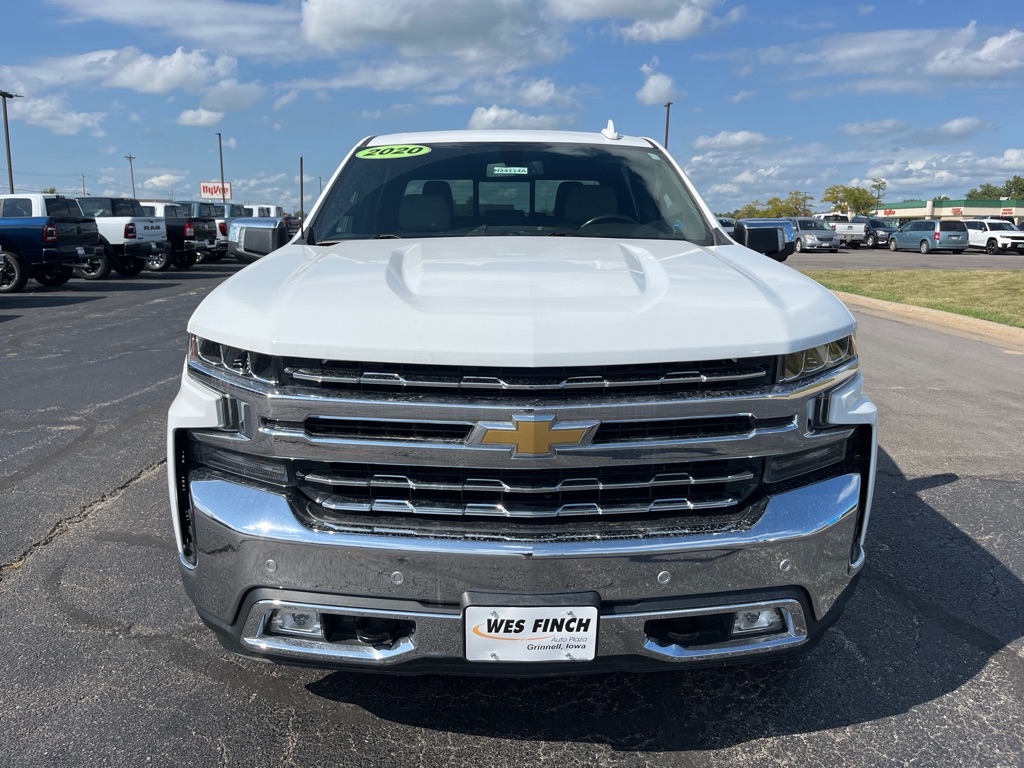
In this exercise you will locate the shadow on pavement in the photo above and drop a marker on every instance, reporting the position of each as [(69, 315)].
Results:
[(932, 609)]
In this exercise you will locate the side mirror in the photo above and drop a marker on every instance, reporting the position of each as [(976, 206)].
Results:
[(250, 239), (775, 238)]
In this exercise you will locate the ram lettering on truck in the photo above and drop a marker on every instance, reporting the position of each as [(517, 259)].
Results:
[(512, 403)]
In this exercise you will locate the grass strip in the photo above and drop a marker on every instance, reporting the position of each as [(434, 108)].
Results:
[(997, 296)]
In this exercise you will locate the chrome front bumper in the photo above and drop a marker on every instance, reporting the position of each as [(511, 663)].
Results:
[(254, 556)]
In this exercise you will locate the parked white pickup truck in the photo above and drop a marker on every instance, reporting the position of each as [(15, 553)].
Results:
[(130, 238), (513, 403), (851, 233)]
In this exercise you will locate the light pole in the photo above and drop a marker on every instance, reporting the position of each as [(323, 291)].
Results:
[(220, 150), (5, 95), (668, 111), (131, 158)]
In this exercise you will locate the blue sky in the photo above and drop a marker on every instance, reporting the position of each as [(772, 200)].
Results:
[(768, 97)]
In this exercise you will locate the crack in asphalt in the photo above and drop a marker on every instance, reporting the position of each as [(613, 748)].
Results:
[(66, 524)]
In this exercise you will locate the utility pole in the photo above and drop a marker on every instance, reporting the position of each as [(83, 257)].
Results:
[(5, 95), (220, 150), (131, 158), (668, 111), (301, 201), (83, 185)]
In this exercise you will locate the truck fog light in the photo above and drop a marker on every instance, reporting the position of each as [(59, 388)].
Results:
[(779, 468), (292, 622), (757, 621), (252, 467)]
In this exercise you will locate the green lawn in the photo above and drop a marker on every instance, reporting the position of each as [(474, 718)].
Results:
[(989, 295)]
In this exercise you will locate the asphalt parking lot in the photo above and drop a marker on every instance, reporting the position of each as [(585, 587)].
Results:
[(105, 662)]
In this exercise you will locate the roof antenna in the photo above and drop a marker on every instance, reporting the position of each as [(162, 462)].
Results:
[(610, 132)]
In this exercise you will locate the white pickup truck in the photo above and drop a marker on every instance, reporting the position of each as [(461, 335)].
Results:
[(130, 238), (851, 233), (512, 403)]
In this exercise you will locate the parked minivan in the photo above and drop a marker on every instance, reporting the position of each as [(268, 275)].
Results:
[(930, 235)]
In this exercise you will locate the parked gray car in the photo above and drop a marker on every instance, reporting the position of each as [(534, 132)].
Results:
[(930, 235), (814, 235)]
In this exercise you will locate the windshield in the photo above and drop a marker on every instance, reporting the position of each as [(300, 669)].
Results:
[(454, 190)]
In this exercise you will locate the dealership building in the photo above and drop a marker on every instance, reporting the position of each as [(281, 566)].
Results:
[(951, 209)]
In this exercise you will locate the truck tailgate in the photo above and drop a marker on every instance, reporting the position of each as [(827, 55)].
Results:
[(150, 229), (76, 230)]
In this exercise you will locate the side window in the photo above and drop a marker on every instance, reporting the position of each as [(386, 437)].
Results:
[(17, 208), (149, 210)]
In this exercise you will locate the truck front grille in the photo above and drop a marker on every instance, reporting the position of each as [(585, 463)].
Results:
[(653, 489), (522, 383), (369, 447)]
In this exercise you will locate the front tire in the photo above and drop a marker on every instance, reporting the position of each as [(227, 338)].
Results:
[(13, 274), (799, 245), (892, 245), (925, 248), (991, 248), (871, 242), (53, 275)]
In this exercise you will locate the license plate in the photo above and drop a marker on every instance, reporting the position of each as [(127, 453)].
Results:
[(530, 633)]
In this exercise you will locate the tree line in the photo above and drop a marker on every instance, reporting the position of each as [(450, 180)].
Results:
[(861, 200)]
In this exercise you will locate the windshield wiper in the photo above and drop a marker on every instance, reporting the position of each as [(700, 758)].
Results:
[(387, 236)]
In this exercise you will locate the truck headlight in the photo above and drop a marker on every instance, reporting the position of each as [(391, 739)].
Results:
[(252, 365), (815, 360)]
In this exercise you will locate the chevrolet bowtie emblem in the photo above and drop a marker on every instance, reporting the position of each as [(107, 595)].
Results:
[(533, 435)]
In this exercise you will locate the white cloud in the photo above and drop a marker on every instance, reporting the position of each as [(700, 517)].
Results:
[(689, 20), (232, 26), (502, 117), (730, 140), (865, 10), (285, 99), (230, 95), (231, 143), (919, 56), (163, 181), (648, 21), (199, 117), (742, 96), (538, 93), (182, 69), (952, 131), (874, 127), (55, 114), (998, 56), (658, 88), (464, 37)]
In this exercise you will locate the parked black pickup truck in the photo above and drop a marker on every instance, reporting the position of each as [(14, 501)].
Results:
[(189, 235), (201, 211), (43, 237)]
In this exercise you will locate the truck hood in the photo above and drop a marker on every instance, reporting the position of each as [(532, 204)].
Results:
[(521, 301)]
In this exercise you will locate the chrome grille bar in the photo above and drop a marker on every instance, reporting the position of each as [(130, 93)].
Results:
[(402, 506), (497, 485)]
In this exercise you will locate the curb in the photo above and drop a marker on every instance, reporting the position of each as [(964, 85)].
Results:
[(960, 325)]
